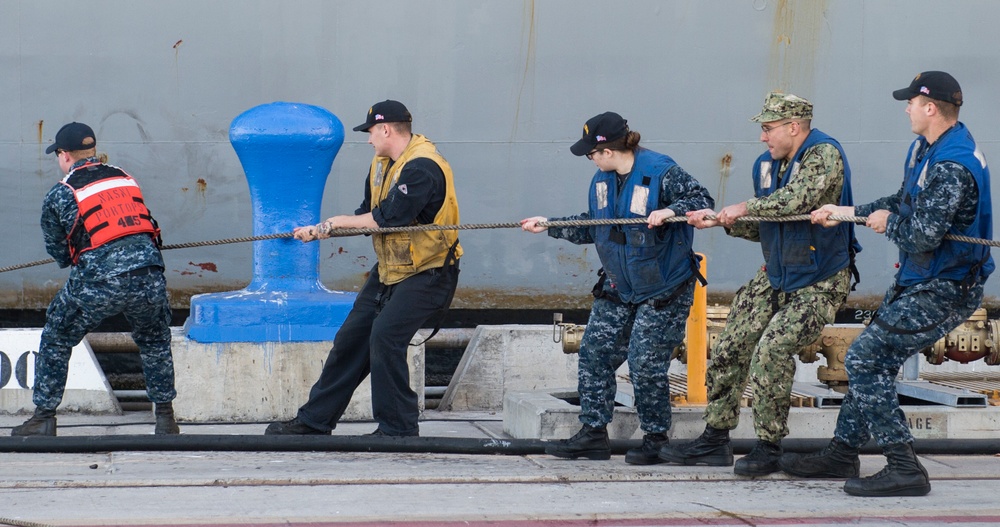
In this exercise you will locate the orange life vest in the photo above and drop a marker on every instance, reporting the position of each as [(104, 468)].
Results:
[(108, 209)]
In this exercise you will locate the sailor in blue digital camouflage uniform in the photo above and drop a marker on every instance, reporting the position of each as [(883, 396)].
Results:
[(95, 220), (946, 190), (645, 290)]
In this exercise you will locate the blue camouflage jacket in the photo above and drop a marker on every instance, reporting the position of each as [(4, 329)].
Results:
[(59, 214)]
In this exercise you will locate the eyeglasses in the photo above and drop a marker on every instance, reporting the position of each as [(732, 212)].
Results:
[(768, 129), (590, 155)]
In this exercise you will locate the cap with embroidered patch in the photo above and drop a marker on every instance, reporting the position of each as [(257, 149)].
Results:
[(603, 128), (387, 111), (73, 137), (934, 84), (778, 106)]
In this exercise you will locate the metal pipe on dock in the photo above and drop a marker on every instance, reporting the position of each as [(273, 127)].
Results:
[(121, 342)]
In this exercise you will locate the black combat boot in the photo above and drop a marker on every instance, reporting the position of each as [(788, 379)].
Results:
[(589, 442), (292, 427), (903, 476), (836, 460), (712, 448), (649, 452), (761, 461), (42, 423), (165, 422)]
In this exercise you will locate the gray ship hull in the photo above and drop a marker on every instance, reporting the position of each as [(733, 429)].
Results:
[(502, 88)]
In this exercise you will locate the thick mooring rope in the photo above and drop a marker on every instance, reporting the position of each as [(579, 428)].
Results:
[(507, 225), (21, 523)]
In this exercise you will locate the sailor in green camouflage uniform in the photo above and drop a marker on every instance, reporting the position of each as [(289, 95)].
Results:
[(805, 279), (646, 287), (946, 190), (113, 248)]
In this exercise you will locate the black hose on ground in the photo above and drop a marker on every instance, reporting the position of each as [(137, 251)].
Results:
[(420, 445)]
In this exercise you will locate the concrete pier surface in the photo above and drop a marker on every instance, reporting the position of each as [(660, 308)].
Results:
[(148, 488)]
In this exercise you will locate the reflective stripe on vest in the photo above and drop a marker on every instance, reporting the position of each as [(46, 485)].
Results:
[(109, 209)]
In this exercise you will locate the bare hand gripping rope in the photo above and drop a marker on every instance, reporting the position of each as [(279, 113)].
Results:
[(509, 225)]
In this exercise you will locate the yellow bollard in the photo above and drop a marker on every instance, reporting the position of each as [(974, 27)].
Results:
[(697, 341)]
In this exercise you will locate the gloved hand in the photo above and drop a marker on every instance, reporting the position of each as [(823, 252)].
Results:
[(311, 232)]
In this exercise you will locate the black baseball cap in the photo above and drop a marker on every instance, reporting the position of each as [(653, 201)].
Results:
[(386, 111), (73, 137), (602, 128), (934, 84)]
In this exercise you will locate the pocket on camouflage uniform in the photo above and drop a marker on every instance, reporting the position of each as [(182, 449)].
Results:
[(155, 288)]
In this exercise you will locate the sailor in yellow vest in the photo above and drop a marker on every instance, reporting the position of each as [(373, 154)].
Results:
[(409, 183)]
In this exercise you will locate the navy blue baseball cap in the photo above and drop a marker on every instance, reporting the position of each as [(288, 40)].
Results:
[(934, 84), (603, 128), (72, 137), (387, 111)]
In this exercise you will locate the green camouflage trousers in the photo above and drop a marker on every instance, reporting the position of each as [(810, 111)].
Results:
[(764, 332)]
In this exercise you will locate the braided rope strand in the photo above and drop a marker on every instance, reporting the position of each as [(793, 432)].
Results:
[(506, 225), (21, 523)]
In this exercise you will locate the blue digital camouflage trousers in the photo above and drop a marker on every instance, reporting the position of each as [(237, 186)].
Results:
[(79, 308), (764, 332), (645, 336), (917, 317)]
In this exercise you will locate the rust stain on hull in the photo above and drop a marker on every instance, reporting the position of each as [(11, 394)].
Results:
[(206, 266), (725, 170), (798, 25), (528, 36)]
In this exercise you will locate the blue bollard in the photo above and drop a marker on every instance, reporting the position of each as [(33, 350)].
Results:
[(286, 150)]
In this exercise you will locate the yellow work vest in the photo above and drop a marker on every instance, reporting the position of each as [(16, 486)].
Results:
[(404, 254)]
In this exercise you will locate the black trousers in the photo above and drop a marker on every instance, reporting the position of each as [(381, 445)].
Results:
[(374, 339)]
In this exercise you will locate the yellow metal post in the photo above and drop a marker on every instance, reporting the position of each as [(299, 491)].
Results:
[(697, 341)]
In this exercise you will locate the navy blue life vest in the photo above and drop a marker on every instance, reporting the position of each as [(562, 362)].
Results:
[(952, 259), (640, 262), (799, 254)]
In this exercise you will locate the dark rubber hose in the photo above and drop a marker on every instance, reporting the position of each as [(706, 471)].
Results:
[(429, 445)]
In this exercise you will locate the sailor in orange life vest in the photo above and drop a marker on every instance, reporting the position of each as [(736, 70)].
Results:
[(96, 221)]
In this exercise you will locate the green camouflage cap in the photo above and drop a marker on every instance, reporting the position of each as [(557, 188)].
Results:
[(779, 106)]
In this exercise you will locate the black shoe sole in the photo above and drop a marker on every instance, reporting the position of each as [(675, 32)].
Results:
[(21, 433), (922, 490), (642, 460), (750, 472), (285, 432), (31, 435), (708, 461), (817, 475)]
